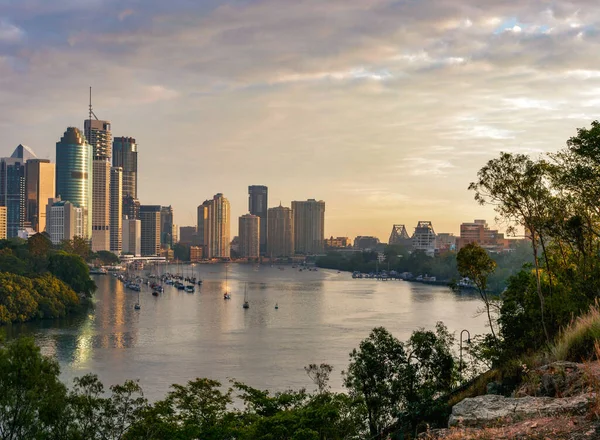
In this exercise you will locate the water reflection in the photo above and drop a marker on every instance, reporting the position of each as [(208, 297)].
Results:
[(178, 336)]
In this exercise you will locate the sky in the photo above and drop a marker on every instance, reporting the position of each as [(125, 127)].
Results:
[(384, 109)]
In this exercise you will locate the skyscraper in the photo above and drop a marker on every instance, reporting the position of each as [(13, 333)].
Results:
[(74, 159), (39, 187), (131, 207), (12, 188), (166, 227), (99, 136), (125, 155), (150, 223), (249, 232), (309, 226), (202, 227), (2, 222), (280, 232), (116, 210), (258, 203), (217, 228), (132, 236)]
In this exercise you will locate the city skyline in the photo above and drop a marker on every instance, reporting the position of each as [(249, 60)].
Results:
[(355, 103)]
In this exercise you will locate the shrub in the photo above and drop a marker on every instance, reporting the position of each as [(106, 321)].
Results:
[(576, 342)]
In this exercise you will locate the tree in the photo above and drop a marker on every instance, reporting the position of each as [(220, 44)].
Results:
[(475, 263), (78, 246), (319, 374), (72, 270), (380, 375), (517, 188)]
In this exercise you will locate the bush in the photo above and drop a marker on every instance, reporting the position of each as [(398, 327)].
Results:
[(576, 342)]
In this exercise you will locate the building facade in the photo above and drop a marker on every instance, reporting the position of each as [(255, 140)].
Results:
[(196, 254), (365, 242), (116, 210), (337, 242), (125, 155), (423, 238), (39, 187), (216, 228), (309, 226), (131, 207), (132, 237), (187, 235), (101, 206), (150, 222), (64, 221), (2, 222), (166, 227), (258, 204), (249, 236), (479, 232), (74, 174), (280, 232)]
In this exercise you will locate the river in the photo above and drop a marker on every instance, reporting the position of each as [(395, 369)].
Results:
[(179, 336)]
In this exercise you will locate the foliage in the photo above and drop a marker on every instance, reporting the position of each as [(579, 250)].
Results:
[(577, 341), (72, 270), (104, 258), (78, 246), (181, 252)]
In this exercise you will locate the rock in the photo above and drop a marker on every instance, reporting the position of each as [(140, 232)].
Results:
[(558, 379), (484, 410), (493, 388)]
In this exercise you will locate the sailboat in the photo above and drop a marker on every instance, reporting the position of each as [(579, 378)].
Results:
[(276, 306), (137, 305), (246, 303), (226, 295)]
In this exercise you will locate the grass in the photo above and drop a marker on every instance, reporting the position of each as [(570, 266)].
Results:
[(577, 341)]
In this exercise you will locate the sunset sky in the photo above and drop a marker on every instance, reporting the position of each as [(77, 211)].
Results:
[(384, 109)]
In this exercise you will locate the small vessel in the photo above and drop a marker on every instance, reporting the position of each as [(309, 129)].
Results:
[(226, 296), (137, 305), (190, 288), (276, 306), (246, 302)]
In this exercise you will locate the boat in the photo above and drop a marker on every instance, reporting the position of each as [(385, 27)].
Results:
[(226, 295), (246, 302), (190, 288), (276, 306), (137, 305)]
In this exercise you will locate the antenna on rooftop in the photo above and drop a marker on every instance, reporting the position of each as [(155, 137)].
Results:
[(92, 111)]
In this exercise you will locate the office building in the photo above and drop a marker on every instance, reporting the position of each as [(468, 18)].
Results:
[(445, 242), (337, 242), (2, 222), (216, 228), (280, 232), (258, 204), (196, 254), (131, 207), (309, 226), (74, 171), (479, 232), (423, 238), (39, 187), (125, 155), (12, 188), (249, 234), (64, 221), (132, 236), (116, 210), (166, 227), (150, 218), (99, 136), (187, 235), (202, 224), (175, 233)]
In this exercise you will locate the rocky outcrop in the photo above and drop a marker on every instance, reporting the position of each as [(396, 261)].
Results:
[(486, 410), (558, 379)]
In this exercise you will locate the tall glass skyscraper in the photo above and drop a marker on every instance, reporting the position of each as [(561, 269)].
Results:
[(258, 204), (125, 155), (12, 188), (74, 181)]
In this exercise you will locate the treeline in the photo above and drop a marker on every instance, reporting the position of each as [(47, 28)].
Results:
[(395, 390), (443, 266), (38, 280)]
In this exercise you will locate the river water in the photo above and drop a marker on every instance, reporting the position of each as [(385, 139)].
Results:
[(179, 336)]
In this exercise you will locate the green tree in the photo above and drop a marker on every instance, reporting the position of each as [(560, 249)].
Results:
[(78, 246), (475, 263), (72, 270)]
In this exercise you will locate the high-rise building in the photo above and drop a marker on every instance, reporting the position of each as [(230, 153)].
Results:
[(249, 233), (424, 238), (39, 187), (2, 222), (12, 188), (131, 207), (280, 232), (116, 210), (202, 227), (99, 136), (64, 221), (166, 227), (175, 233), (150, 218), (309, 226), (258, 204), (101, 206), (187, 235), (74, 171), (217, 228), (132, 236), (125, 155)]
